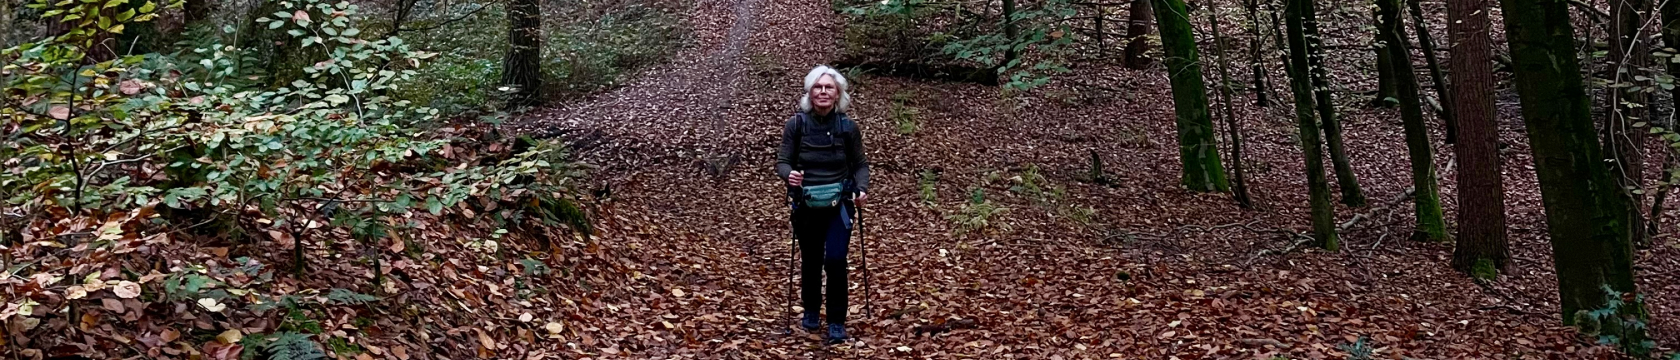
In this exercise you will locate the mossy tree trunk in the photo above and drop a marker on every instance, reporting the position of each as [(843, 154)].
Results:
[(1197, 149), (1586, 214), (1300, 80), (1352, 194), (1431, 226)]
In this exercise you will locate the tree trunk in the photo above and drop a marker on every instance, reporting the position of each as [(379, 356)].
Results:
[(1386, 91), (1654, 224), (195, 11), (1627, 106), (1352, 195), (1586, 214), (1440, 81), (1481, 188), (1430, 224), (1137, 32), (522, 68), (1255, 65), (1239, 180), (1196, 145), (1323, 216), (1010, 32)]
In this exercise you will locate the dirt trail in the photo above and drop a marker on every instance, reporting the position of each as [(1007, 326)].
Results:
[(1148, 271)]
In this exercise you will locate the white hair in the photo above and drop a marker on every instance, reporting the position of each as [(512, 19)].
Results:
[(839, 80)]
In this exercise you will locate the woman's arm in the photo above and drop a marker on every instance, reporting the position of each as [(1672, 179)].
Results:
[(860, 163), (785, 155)]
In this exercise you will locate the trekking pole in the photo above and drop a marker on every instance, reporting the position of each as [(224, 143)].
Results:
[(793, 233), (863, 244)]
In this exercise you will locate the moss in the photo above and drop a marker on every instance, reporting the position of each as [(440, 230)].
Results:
[(1484, 270)]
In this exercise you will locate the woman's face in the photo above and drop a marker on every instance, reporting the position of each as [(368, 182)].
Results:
[(824, 94)]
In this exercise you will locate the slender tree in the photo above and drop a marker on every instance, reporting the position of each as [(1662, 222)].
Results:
[(1137, 33), (1431, 226), (1352, 194), (1318, 188), (1586, 214), (1239, 180), (1254, 49), (1626, 107), (1196, 145), (1010, 31), (1386, 91), (1439, 81), (1481, 188), (522, 67), (1670, 10)]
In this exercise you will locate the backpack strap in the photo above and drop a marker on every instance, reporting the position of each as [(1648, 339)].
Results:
[(799, 136)]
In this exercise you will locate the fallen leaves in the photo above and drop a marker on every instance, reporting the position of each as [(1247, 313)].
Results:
[(126, 289)]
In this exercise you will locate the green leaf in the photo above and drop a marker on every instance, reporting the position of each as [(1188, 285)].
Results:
[(293, 32), (433, 205), (276, 25), (148, 7), (125, 15)]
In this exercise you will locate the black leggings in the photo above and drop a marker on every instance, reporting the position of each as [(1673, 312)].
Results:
[(824, 235)]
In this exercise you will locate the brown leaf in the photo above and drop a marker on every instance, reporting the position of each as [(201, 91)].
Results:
[(126, 289), (113, 305)]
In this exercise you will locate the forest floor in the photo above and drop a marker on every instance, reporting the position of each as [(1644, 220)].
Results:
[(1145, 270)]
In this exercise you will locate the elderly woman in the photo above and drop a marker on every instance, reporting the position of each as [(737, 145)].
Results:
[(822, 160)]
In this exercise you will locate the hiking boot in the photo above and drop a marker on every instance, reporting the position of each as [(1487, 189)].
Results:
[(836, 333), (810, 322)]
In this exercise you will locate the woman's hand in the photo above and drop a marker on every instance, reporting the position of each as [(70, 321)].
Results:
[(796, 178), (860, 198)]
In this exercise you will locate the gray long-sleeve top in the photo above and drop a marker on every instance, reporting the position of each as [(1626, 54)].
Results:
[(824, 154)]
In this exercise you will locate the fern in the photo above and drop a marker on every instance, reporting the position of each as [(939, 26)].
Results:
[(346, 297), (293, 346)]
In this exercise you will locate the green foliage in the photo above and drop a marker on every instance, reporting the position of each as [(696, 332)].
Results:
[(587, 57), (281, 346), (1358, 350), (978, 214), (347, 297), (928, 185), (213, 145), (1620, 323), (903, 115), (586, 48), (931, 32)]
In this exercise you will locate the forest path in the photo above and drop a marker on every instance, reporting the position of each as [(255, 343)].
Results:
[(1071, 271)]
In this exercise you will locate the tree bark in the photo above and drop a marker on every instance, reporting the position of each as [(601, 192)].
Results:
[(1254, 48), (1481, 188), (1010, 32), (1386, 91), (1137, 32), (1352, 194), (1318, 188), (1586, 214), (195, 11), (522, 67), (1431, 226), (1440, 81), (1197, 148), (1239, 180), (1627, 106)]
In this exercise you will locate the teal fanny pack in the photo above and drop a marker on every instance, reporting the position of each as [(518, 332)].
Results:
[(823, 196)]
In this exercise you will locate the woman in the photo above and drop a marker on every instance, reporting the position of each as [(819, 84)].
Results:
[(822, 160)]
